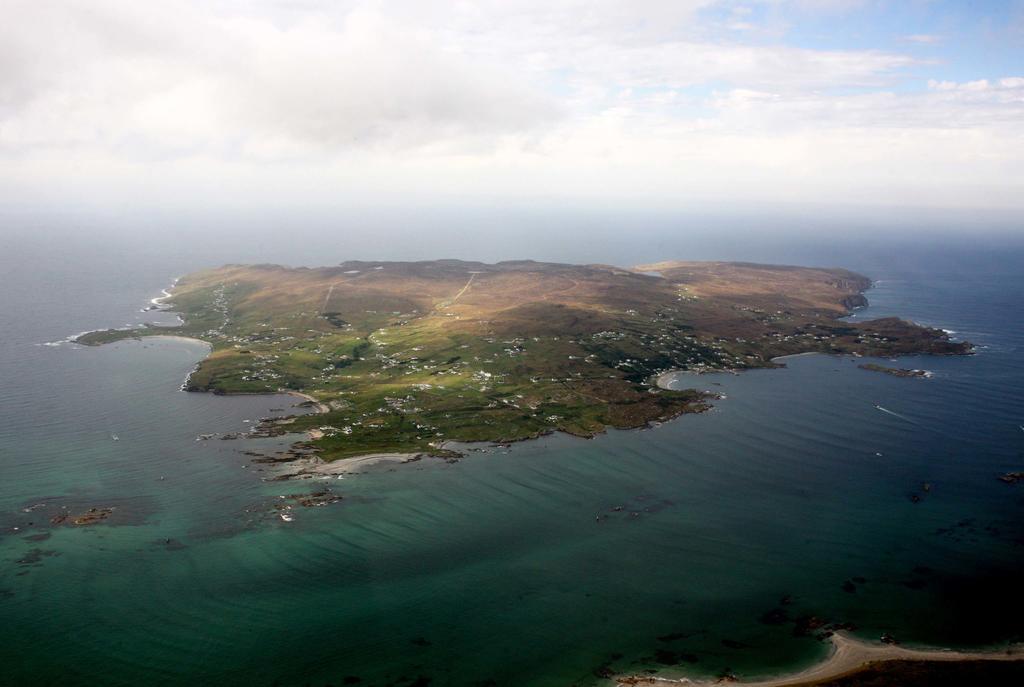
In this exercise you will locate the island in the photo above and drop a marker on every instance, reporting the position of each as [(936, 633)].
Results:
[(402, 358)]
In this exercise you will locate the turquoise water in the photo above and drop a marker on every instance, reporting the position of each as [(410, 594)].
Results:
[(511, 567)]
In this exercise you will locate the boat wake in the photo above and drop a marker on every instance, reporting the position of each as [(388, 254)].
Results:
[(894, 414)]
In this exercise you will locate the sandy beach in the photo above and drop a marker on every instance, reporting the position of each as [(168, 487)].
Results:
[(315, 467), (849, 655), (666, 378), (320, 407), (794, 355), (190, 339)]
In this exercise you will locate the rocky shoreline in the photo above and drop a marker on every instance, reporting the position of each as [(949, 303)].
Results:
[(895, 371)]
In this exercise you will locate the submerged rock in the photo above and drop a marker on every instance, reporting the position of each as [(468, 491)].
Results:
[(92, 516)]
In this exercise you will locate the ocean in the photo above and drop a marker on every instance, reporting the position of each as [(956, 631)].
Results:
[(817, 491)]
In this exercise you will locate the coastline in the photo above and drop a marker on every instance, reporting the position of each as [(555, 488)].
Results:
[(310, 467), (663, 380), (313, 466), (179, 337), (320, 407), (849, 656), (798, 355)]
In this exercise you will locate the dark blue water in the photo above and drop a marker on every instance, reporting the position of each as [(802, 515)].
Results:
[(495, 570)]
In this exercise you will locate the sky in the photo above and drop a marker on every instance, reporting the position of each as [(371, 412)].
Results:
[(644, 104)]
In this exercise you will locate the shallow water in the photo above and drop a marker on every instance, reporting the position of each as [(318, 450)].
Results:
[(511, 567)]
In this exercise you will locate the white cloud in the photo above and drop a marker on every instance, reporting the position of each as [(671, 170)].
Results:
[(924, 38), (982, 105), (308, 100), (230, 84)]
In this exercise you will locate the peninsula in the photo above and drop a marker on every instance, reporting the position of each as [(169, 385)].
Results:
[(402, 357), (857, 663)]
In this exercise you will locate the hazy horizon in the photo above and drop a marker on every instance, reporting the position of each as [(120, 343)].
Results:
[(189, 243)]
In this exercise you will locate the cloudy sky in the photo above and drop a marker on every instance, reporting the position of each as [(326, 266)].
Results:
[(663, 104)]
